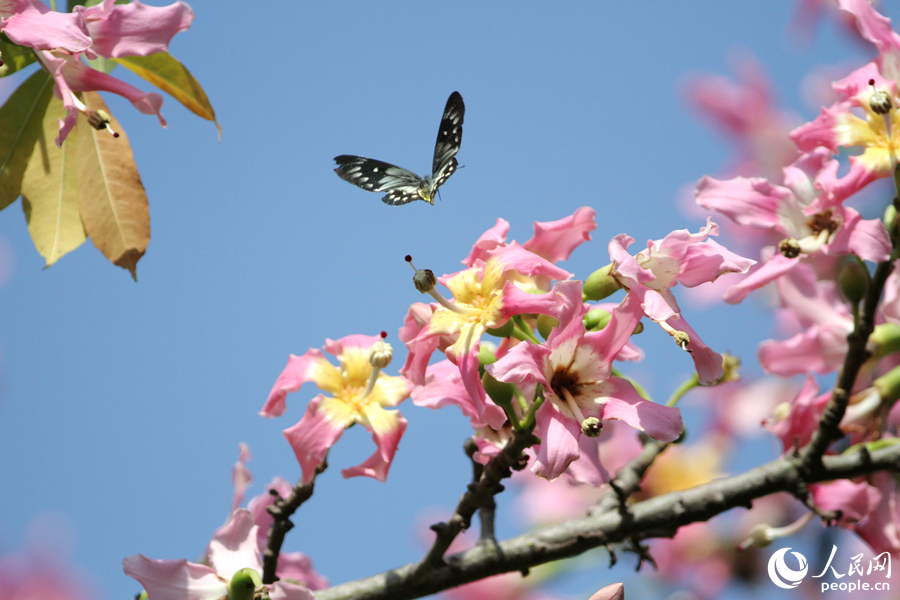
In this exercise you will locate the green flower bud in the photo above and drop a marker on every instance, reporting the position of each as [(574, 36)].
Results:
[(247, 585), (503, 331), (596, 319), (853, 279), (545, 325), (600, 284), (885, 339), (888, 385), (501, 393)]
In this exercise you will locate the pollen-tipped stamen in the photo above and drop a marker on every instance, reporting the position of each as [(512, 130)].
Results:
[(681, 338), (425, 280), (380, 355)]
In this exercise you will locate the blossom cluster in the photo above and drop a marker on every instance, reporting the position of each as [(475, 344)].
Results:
[(519, 343), (108, 30)]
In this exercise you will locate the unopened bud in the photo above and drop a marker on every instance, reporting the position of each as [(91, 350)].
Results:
[(600, 284), (591, 427), (545, 325), (596, 319), (789, 248), (854, 280), (501, 393)]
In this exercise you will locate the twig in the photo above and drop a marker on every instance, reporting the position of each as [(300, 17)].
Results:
[(857, 354), (281, 511), (659, 516), (488, 509), (488, 485)]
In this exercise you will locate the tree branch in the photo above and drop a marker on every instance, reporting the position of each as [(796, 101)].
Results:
[(657, 517), (281, 511)]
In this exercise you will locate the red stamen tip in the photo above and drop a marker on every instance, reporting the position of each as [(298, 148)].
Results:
[(115, 135), (408, 258), (871, 82), (383, 334)]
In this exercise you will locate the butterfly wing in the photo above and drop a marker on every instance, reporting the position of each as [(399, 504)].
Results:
[(372, 175), (449, 140)]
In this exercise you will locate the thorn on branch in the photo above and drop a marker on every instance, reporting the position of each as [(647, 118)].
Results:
[(643, 553), (613, 559)]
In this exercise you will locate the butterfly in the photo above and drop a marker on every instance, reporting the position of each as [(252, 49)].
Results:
[(404, 186)]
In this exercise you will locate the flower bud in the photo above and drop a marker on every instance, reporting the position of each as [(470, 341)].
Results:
[(596, 319), (545, 325), (246, 584), (503, 331), (600, 284), (885, 339), (501, 393), (853, 279)]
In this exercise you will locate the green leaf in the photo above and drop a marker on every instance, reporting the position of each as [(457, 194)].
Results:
[(111, 196), (15, 57), (166, 73), (49, 191), (21, 120)]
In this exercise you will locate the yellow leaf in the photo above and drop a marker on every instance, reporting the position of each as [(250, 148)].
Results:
[(49, 191), (165, 72), (111, 196)]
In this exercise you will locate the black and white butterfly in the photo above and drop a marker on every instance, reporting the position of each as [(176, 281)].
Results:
[(404, 186)]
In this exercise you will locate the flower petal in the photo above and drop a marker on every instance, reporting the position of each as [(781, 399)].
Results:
[(312, 436), (134, 29), (175, 579), (233, 546)]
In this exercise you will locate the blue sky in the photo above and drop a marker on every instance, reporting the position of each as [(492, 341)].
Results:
[(122, 404)]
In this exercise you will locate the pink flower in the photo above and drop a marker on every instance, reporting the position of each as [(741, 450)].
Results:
[(443, 385), (796, 421), (680, 257), (106, 29), (806, 211), (866, 89), (232, 548), (39, 574), (881, 529), (552, 240), (826, 322), (31, 23), (745, 111), (486, 296), (854, 500), (360, 394), (574, 368)]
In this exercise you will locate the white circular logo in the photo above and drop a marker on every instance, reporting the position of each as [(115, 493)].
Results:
[(782, 575)]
